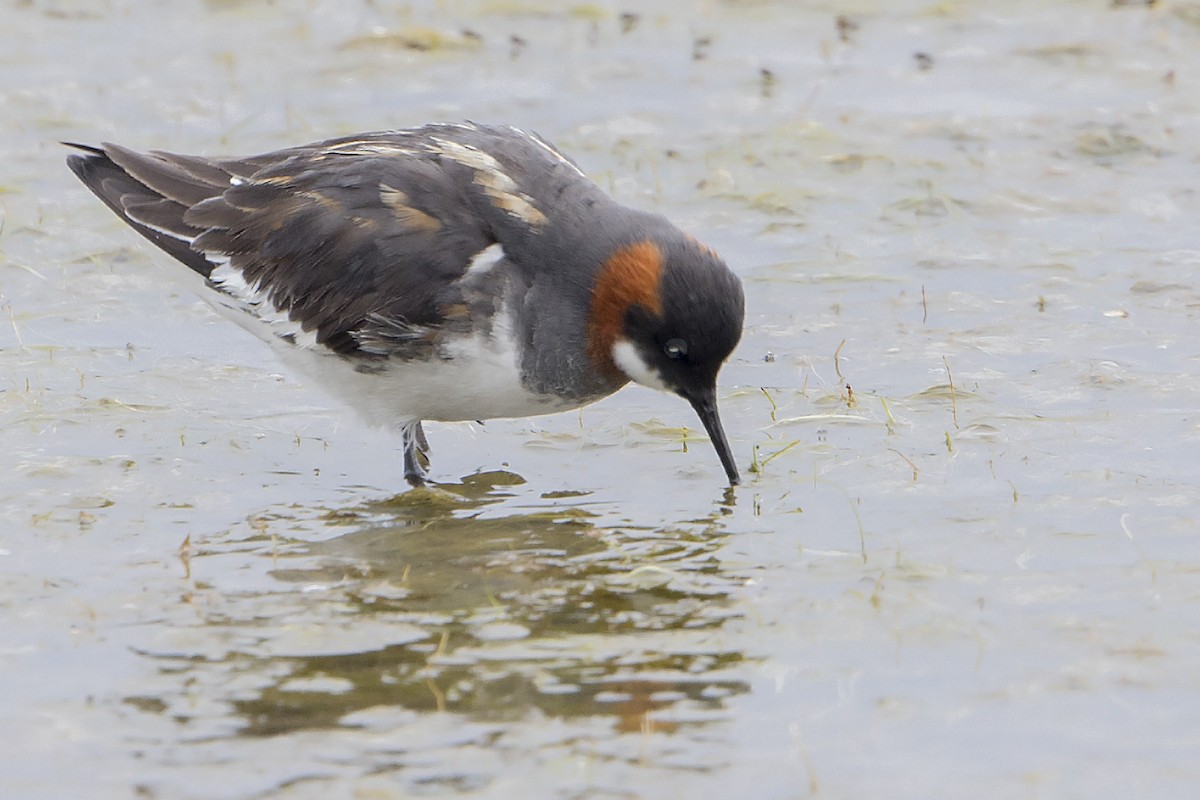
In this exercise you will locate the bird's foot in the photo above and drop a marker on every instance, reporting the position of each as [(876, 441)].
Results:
[(415, 459)]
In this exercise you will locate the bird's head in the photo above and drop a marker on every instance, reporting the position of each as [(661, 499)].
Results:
[(667, 315)]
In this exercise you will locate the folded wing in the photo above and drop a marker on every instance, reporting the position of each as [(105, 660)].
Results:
[(337, 238)]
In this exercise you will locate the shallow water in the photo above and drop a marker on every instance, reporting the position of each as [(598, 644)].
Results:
[(971, 573)]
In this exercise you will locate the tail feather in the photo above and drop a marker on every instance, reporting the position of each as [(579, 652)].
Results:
[(164, 216), (149, 211), (216, 174), (163, 176)]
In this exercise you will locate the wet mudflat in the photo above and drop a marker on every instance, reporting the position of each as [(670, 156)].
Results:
[(963, 562)]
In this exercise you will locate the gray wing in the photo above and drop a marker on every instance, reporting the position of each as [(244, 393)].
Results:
[(354, 236)]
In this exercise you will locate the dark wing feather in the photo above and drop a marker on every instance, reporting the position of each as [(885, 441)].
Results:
[(334, 240), (120, 191), (165, 175)]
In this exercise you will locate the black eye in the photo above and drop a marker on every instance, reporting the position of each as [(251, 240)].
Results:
[(675, 348)]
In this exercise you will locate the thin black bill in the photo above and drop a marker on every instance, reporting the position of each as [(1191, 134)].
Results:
[(705, 404)]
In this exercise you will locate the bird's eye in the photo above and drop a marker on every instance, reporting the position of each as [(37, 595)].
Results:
[(675, 348)]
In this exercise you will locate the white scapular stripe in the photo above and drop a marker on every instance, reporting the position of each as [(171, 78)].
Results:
[(485, 260)]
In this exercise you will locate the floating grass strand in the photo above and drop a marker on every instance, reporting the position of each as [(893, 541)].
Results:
[(780, 452), (891, 421), (28, 269), (757, 465), (771, 400), (12, 318), (953, 398), (439, 697), (862, 533), (185, 556), (836, 357), (908, 461), (826, 416)]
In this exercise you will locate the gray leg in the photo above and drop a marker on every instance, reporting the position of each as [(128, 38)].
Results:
[(415, 447)]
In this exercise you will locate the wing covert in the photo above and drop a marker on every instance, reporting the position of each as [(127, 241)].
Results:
[(334, 240)]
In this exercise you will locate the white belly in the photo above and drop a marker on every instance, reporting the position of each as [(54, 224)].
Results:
[(481, 380), (473, 378)]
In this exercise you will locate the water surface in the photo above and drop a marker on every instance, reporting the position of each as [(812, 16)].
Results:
[(964, 559)]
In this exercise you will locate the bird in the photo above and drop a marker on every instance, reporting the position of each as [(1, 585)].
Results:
[(448, 272)]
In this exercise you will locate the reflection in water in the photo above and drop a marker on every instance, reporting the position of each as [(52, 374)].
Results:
[(440, 600)]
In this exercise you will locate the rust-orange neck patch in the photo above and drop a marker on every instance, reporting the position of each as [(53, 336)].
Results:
[(629, 277)]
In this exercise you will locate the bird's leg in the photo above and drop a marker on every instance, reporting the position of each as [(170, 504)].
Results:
[(415, 448)]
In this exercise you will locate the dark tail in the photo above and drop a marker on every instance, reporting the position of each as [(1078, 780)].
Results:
[(150, 193)]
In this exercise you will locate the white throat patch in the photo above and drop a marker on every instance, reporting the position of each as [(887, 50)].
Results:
[(627, 357)]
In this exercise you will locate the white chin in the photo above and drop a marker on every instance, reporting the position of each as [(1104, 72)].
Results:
[(632, 364)]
